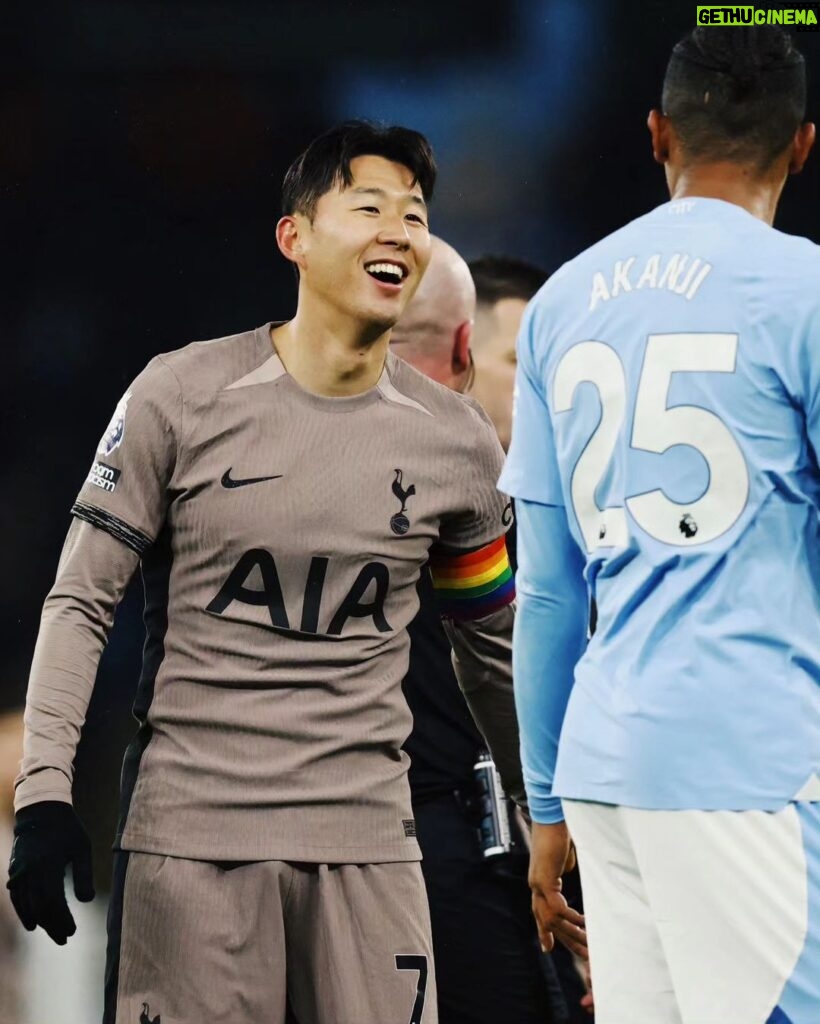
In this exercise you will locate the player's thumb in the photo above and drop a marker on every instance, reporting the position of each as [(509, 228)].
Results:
[(82, 872)]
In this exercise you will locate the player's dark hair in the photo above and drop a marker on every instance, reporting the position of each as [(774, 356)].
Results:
[(504, 277), (326, 161), (735, 93)]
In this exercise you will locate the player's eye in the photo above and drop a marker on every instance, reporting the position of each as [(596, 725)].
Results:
[(368, 209), (417, 219)]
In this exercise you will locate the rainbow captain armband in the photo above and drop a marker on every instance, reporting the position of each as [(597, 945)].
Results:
[(473, 585)]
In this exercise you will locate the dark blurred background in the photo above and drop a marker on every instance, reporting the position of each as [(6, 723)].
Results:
[(142, 146)]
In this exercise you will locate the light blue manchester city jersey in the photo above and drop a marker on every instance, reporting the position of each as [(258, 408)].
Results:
[(668, 398)]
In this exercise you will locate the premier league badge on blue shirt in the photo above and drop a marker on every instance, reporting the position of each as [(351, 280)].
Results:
[(116, 428)]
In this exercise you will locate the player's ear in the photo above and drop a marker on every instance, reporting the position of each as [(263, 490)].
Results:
[(460, 355), (658, 125), (801, 146), (289, 233)]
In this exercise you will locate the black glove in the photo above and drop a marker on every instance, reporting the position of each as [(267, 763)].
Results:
[(47, 837)]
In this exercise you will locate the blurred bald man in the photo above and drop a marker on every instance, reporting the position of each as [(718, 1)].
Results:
[(435, 330), (487, 961)]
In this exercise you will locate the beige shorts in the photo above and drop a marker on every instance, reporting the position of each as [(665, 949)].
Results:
[(268, 942)]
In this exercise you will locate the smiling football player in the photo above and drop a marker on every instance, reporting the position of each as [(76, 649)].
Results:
[(282, 490)]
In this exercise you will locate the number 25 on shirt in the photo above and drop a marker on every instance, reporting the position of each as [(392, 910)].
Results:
[(656, 427)]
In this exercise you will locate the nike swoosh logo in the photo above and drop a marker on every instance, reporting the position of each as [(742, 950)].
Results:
[(229, 481)]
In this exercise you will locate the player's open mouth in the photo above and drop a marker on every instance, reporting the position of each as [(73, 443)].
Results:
[(388, 273)]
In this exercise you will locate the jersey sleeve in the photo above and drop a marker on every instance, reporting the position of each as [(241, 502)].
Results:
[(126, 491), (469, 564), (531, 468), (93, 573), (482, 663), (549, 638)]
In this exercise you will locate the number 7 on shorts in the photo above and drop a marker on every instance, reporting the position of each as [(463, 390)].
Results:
[(415, 962)]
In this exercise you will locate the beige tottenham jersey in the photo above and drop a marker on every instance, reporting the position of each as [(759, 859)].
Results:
[(281, 536)]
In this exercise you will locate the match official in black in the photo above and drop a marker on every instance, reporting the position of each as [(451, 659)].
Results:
[(484, 939)]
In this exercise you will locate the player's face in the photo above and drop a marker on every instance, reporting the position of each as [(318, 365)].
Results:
[(495, 361), (369, 244)]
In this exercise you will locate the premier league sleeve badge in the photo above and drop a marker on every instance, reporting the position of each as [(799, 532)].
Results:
[(113, 435)]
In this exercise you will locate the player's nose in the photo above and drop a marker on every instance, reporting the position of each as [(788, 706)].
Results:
[(393, 231)]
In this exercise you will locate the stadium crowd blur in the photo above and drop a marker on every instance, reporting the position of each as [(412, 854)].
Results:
[(143, 148)]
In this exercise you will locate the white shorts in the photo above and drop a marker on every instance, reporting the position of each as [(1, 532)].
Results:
[(701, 917)]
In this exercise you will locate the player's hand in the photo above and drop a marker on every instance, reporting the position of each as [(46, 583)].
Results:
[(550, 856), (48, 836), (587, 1002)]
